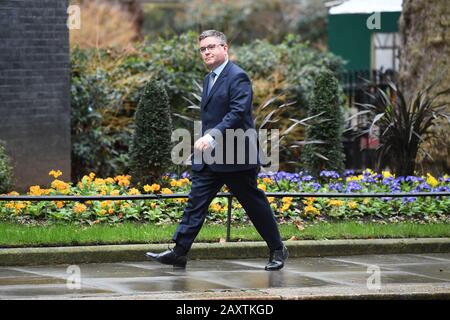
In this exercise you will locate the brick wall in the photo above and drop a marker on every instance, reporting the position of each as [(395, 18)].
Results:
[(34, 88)]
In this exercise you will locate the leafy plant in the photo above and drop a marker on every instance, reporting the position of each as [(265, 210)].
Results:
[(404, 125), (326, 130), (151, 144), (6, 171)]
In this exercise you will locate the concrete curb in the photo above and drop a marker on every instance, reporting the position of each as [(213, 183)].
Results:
[(231, 250), (388, 292)]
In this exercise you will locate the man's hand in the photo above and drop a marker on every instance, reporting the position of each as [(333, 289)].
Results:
[(204, 143)]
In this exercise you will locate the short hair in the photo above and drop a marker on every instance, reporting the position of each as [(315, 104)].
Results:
[(213, 33)]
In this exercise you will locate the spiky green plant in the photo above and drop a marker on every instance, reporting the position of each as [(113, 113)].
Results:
[(404, 125)]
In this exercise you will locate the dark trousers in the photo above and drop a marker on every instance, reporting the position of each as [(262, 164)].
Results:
[(243, 185)]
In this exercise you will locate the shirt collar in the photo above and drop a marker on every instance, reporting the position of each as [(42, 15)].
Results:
[(220, 68)]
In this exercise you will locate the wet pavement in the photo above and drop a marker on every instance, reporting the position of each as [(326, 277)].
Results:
[(213, 278)]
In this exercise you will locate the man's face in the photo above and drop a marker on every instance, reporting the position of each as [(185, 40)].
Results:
[(215, 56)]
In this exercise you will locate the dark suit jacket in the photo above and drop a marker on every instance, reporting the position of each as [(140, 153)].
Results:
[(229, 106)]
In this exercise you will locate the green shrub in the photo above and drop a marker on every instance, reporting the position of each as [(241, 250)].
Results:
[(405, 125), (326, 153), (151, 145), (6, 171)]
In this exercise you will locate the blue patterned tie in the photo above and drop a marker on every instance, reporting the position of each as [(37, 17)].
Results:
[(211, 82)]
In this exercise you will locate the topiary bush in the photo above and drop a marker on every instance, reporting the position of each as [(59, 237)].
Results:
[(151, 145), (6, 171), (326, 151)]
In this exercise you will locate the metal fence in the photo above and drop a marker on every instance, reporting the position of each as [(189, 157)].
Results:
[(227, 195)]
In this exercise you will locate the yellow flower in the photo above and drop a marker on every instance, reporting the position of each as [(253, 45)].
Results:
[(262, 187), (311, 210), (267, 180), (287, 200), (10, 205), (115, 192), (166, 191), (134, 191), (92, 175), (336, 203), (59, 204), (79, 208), (111, 210), (387, 174), (55, 174), (432, 180), (216, 207), (237, 205), (35, 191), (182, 200), (285, 207), (153, 205), (19, 206), (366, 200), (309, 201), (355, 178), (109, 180), (99, 181), (271, 199), (154, 187), (86, 179), (180, 183), (122, 180), (173, 183), (13, 193), (61, 186), (184, 181), (352, 204), (105, 204)]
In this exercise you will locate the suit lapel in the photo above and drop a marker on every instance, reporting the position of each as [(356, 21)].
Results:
[(205, 86), (217, 84)]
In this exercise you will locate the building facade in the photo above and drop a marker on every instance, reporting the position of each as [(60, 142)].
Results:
[(35, 88)]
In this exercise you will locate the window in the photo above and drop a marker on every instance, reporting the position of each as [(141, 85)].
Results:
[(385, 51)]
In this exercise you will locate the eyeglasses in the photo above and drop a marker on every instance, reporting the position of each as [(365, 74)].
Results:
[(210, 47)]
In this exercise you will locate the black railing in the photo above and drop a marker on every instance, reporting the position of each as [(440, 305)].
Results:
[(227, 195)]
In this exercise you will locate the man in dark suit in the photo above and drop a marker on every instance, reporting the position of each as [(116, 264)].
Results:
[(226, 114)]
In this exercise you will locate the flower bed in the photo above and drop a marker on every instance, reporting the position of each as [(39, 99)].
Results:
[(287, 209)]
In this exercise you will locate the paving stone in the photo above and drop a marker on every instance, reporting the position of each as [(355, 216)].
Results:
[(380, 260), (151, 279)]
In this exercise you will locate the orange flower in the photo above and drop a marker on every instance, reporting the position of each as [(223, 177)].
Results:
[(79, 208), (55, 174)]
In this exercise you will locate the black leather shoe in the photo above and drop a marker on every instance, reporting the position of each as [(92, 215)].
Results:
[(277, 258), (168, 257)]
